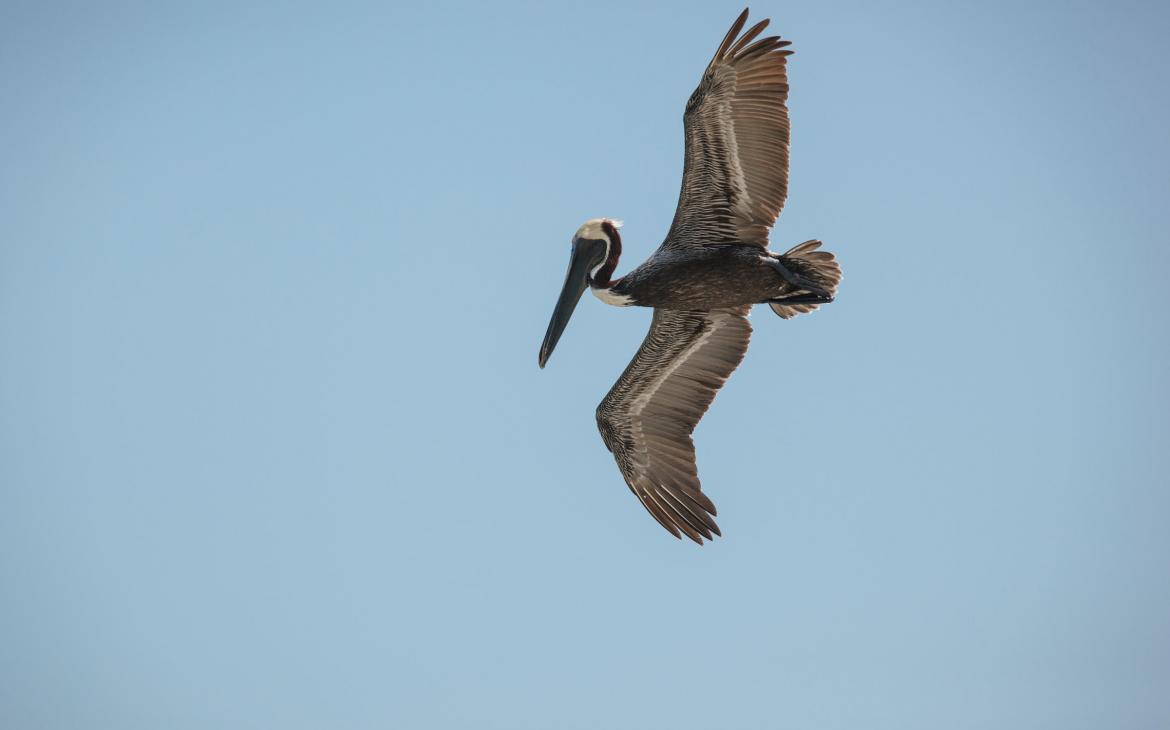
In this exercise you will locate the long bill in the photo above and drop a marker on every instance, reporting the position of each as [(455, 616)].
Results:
[(585, 256)]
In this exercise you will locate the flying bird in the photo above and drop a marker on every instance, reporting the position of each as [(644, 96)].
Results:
[(704, 278)]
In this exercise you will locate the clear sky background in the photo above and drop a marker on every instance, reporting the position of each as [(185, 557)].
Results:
[(275, 451)]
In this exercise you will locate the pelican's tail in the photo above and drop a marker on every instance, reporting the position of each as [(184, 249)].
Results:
[(818, 268)]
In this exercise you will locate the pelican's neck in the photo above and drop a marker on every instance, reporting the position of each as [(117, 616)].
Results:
[(601, 281), (602, 275), (608, 295)]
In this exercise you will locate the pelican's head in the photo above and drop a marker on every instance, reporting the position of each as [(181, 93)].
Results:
[(596, 247), (598, 229), (599, 234)]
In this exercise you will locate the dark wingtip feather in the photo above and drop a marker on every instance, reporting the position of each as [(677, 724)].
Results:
[(688, 520), (746, 38), (736, 27), (762, 46), (659, 516), (703, 500)]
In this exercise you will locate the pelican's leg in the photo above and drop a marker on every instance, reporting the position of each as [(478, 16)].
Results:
[(798, 281), (802, 299)]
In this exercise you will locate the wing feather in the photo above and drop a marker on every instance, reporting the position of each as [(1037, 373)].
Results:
[(648, 416), (735, 170)]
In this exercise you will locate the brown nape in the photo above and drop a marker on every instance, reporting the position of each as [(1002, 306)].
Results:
[(611, 261)]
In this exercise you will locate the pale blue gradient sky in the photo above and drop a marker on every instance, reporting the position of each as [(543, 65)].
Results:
[(274, 448)]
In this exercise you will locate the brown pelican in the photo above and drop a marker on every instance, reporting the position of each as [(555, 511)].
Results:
[(704, 278)]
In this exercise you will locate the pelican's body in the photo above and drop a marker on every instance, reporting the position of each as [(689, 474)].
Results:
[(714, 276), (703, 280)]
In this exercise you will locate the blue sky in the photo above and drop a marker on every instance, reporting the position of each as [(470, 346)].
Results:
[(274, 448)]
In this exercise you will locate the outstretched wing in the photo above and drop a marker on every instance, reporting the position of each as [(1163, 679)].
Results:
[(647, 418), (735, 173)]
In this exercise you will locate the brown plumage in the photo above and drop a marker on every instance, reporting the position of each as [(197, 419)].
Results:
[(647, 421), (704, 278), (735, 174)]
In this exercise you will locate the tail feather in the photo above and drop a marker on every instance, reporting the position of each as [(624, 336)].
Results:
[(819, 267)]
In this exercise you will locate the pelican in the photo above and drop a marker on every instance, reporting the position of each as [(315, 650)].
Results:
[(703, 280)]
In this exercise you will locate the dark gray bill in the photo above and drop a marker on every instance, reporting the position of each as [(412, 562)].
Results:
[(586, 254)]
